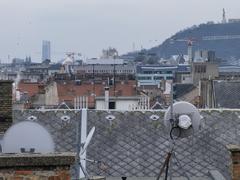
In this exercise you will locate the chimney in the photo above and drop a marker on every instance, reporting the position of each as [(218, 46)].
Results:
[(36, 166), (41, 89), (107, 98), (5, 105), (235, 158)]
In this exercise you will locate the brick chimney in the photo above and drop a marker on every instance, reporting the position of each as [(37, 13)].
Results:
[(26, 166), (235, 164), (5, 105), (41, 89)]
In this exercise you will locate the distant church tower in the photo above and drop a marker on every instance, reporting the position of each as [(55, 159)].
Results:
[(224, 17)]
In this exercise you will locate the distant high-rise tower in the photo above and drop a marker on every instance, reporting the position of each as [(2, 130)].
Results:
[(224, 20), (46, 50)]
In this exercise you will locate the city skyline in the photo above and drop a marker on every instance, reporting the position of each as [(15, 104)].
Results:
[(87, 27)]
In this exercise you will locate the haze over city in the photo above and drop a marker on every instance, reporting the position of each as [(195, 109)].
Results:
[(120, 89), (89, 26)]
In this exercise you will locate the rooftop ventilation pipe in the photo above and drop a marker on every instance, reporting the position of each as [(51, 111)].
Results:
[(107, 98)]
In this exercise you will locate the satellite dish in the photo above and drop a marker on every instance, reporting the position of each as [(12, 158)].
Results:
[(29, 137), (186, 119), (88, 139)]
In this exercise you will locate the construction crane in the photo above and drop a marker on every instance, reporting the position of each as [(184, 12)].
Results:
[(189, 42)]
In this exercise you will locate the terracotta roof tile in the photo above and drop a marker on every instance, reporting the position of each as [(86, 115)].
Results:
[(68, 90), (31, 88)]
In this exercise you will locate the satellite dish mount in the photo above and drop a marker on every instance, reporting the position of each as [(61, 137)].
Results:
[(181, 120)]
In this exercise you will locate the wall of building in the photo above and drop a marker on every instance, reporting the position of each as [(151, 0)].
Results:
[(204, 70), (5, 105), (51, 94), (106, 69), (36, 166), (235, 161), (183, 78), (207, 94), (31, 174), (153, 75), (119, 104), (153, 79), (186, 79)]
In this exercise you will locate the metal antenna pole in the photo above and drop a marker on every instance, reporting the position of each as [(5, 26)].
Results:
[(78, 148), (173, 121), (171, 101), (93, 79), (114, 86)]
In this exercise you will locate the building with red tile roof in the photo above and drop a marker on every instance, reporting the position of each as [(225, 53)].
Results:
[(67, 91), (29, 88)]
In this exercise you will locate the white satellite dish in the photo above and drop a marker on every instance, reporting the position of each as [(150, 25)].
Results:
[(186, 119), (88, 139), (27, 136)]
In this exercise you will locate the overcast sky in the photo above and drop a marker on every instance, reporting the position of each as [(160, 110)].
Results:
[(88, 26)]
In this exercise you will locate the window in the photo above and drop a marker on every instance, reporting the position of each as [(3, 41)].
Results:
[(112, 105), (144, 78), (147, 72), (157, 78), (200, 69)]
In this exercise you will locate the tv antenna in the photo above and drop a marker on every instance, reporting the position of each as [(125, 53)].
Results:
[(182, 119), (83, 149)]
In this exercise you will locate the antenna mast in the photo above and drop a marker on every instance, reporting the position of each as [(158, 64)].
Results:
[(224, 17)]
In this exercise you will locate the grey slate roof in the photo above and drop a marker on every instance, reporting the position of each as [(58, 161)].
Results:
[(133, 145), (182, 89), (227, 94)]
